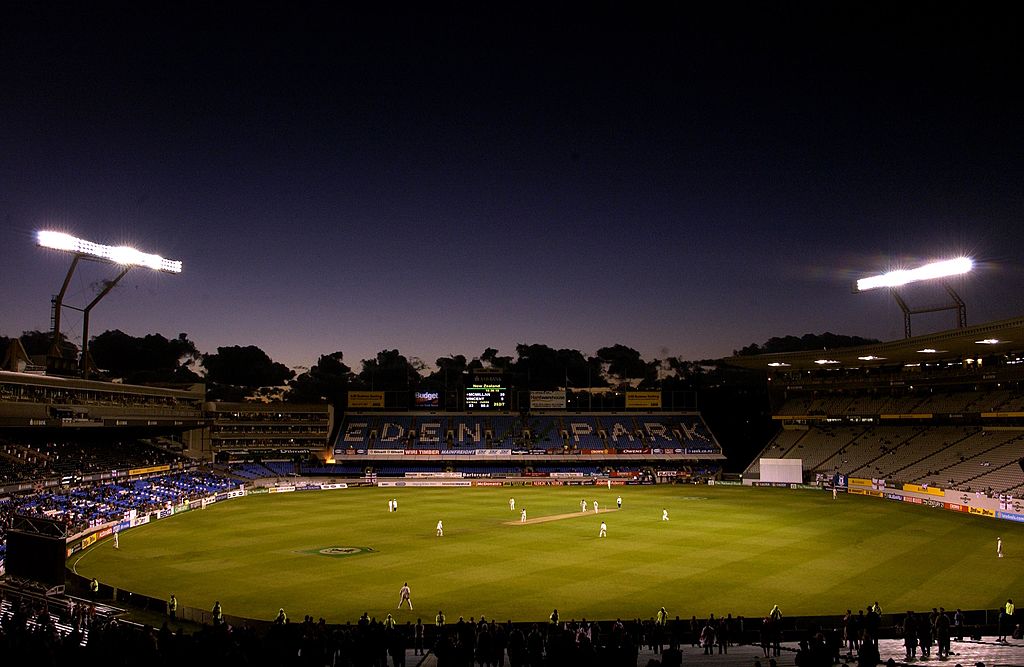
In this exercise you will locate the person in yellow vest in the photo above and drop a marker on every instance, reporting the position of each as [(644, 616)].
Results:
[(662, 618), (94, 589), (172, 607), (282, 618), (389, 622), (439, 619), (218, 613), (1006, 623)]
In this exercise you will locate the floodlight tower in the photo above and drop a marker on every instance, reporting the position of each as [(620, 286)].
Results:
[(932, 271), (122, 256)]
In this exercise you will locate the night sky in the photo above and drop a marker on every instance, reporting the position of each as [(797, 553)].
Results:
[(442, 181)]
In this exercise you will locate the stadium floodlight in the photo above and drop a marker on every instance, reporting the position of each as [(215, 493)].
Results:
[(826, 362), (946, 268), (935, 270), (124, 256), (990, 341)]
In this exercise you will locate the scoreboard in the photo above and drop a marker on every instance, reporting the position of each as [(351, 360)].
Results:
[(486, 397)]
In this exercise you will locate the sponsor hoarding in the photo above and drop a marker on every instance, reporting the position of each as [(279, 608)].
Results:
[(547, 400), (643, 399), (366, 399)]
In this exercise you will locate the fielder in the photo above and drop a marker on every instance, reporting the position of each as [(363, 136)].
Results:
[(595, 507), (604, 530), (999, 547), (404, 596), (511, 504), (664, 515), (440, 528), (522, 516), (117, 542), (618, 501)]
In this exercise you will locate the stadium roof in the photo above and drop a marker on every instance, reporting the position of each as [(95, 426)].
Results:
[(982, 340)]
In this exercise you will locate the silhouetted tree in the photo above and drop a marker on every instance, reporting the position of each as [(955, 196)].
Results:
[(327, 381), (151, 358), (246, 368), (544, 368), (626, 364), (825, 341), (37, 343), (450, 373), (390, 371)]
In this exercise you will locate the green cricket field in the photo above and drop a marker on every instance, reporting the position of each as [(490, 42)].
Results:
[(340, 553)]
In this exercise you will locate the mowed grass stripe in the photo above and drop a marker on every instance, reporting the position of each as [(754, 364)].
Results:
[(724, 550)]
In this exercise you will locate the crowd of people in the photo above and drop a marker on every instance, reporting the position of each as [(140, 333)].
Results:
[(103, 502), (32, 633)]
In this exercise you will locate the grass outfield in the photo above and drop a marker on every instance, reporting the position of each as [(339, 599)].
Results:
[(724, 550)]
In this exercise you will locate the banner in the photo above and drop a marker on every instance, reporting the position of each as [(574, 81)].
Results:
[(425, 482), (924, 488), (643, 399), (494, 452), (366, 399), (547, 400), (146, 471)]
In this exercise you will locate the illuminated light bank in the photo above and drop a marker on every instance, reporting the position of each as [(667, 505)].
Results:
[(123, 255), (944, 269)]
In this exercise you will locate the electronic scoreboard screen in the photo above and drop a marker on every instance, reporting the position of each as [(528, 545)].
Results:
[(486, 397)]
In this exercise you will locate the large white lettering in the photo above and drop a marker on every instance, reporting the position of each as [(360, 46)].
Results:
[(580, 428), (656, 431), (619, 430), (464, 430), (356, 432), (689, 432), (385, 432), (429, 432)]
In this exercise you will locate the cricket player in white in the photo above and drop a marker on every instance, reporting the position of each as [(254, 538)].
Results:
[(999, 547), (583, 505), (604, 530), (511, 504), (664, 515), (522, 516), (404, 596), (440, 528), (117, 542), (618, 501), (391, 505)]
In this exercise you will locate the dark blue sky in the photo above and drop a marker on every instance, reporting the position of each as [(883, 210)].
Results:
[(444, 181)]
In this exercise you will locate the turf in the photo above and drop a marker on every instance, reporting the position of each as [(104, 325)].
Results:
[(724, 550)]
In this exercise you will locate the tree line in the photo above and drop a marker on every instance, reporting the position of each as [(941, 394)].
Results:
[(237, 372)]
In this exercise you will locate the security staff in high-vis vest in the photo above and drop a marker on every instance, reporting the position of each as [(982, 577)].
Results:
[(439, 619), (218, 614), (172, 607), (94, 589), (389, 622), (662, 617)]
